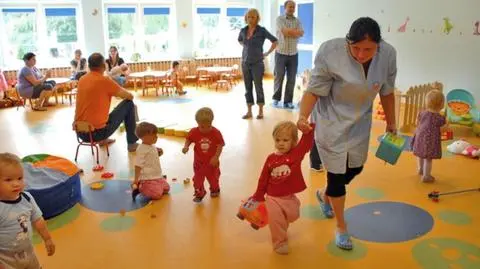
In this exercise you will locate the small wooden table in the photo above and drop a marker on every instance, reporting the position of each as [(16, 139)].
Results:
[(60, 83)]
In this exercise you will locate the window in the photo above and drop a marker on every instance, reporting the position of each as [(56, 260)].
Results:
[(121, 30), (61, 34), (21, 35), (236, 21), (208, 31), (156, 27), (141, 32), (44, 28)]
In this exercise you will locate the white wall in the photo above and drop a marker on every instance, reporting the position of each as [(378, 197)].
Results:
[(423, 57), (93, 26)]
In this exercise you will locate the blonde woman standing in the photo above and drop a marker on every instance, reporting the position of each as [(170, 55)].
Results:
[(252, 37)]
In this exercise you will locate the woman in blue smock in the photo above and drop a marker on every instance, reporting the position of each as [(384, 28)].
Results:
[(347, 76)]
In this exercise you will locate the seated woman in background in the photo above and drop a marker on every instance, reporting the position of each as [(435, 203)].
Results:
[(33, 84), (114, 59), (79, 66)]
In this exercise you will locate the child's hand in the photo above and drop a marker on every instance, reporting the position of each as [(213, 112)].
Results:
[(214, 161), (185, 150), (50, 246), (303, 125), (160, 151), (134, 185)]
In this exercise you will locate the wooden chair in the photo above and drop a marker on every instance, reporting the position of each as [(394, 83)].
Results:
[(150, 82), (86, 127)]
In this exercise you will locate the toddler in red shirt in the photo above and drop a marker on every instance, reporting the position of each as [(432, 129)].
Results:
[(209, 143), (281, 179)]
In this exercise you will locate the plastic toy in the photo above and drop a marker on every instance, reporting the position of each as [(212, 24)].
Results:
[(435, 195), (97, 186), (122, 212), (464, 148), (174, 179), (254, 212), (97, 168), (186, 181), (107, 175), (391, 146), (153, 216), (447, 135)]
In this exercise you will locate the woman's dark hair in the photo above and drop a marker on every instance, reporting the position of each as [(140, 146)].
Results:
[(175, 63), (110, 57), (28, 56), (363, 28)]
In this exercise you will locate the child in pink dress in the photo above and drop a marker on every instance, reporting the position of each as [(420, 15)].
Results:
[(149, 180), (426, 142), (281, 179)]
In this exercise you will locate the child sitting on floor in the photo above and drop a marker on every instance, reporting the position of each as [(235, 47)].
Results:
[(149, 179), (118, 73), (426, 142), (18, 211), (209, 143), (174, 77), (281, 179)]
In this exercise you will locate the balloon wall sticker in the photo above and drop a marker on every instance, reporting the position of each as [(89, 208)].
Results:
[(447, 25), (476, 30), (403, 27)]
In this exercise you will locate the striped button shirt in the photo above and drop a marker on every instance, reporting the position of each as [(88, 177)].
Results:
[(287, 45)]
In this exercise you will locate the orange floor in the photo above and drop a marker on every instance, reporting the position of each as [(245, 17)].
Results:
[(186, 235)]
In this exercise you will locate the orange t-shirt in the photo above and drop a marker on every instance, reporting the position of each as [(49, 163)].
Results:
[(94, 94)]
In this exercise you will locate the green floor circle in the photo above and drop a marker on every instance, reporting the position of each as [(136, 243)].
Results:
[(370, 193), (312, 212), (58, 222), (117, 223), (454, 217), (446, 253), (358, 252)]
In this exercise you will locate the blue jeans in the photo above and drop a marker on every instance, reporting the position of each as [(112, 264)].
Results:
[(253, 74), (124, 112), (288, 63)]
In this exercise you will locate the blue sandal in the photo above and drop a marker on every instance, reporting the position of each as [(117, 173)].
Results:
[(326, 208), (343, 241)]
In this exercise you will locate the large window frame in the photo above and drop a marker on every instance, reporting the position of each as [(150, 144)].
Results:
[(166, 49), (41, 44), (230, 21)]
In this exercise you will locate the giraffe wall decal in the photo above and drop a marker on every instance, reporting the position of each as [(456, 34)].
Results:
[(447, 25), (403, 27)]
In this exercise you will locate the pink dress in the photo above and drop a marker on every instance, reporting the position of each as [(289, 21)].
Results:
[(426, 142)]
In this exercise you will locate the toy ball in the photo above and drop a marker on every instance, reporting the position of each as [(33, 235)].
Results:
[(97, 186), (254, 212)]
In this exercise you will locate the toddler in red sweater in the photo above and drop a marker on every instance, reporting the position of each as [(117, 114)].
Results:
[(281, 179)]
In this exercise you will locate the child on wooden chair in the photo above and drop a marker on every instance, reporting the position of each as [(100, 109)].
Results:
[(426, 142), (18, 213), (281, 179), (174, 77), (209, 144), (149, 179)]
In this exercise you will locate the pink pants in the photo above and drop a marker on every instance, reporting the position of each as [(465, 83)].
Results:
[(202, 171), (281, 212), (154, 189)]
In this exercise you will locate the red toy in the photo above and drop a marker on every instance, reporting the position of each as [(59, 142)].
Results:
[(107, 175), (447, 135), (435, 195), (97, 168), (254, 212)]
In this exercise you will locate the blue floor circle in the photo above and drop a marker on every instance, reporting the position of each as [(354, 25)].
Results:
[(388, 222), (114, 197), (408, 140)]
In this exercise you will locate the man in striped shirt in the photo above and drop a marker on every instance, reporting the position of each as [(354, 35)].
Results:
[(289, 30)]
